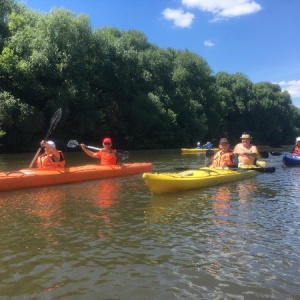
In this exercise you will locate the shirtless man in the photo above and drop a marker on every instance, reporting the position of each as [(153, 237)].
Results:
[(246, 152)]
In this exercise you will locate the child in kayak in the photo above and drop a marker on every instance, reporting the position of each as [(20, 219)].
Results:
[(52, 158)]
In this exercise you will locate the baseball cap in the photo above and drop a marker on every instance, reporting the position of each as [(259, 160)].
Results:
[(223, 140)]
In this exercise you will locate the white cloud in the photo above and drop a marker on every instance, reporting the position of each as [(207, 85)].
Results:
[(293, 87), (179, 17), (223, 9), (208, 43)]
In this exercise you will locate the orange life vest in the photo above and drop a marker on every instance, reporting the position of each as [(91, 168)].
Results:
[(224, 158), (46, 161), (106, 158), (296, 150)]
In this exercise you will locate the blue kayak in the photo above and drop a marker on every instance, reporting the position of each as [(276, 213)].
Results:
[(291, 160)]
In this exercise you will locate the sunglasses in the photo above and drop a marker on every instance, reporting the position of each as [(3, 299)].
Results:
[(107, 143)]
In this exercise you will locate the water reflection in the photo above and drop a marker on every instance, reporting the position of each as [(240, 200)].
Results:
[(221, 203), (233, 241)]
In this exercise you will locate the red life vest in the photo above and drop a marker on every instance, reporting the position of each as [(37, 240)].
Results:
[(296, 150), (46, 161), (222, 158), (107, 158)]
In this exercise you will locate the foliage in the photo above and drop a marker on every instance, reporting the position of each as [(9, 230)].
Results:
[(116, 83)]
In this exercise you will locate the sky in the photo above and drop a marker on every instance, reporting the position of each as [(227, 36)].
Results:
[(258, 38)]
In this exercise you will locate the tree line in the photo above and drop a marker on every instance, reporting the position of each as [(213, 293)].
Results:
[(116, 83)]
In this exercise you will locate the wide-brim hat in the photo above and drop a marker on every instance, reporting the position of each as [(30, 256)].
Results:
[(246, 136)]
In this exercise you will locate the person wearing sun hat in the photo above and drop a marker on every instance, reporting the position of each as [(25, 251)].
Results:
[(51, 158), (247, 153), (106, 155), (224, 157), (296, 148)]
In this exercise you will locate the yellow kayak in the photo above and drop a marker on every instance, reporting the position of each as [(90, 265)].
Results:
[(196, 150), (159, 183)]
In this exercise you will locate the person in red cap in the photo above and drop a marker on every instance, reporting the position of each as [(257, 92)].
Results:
[(106, 155)]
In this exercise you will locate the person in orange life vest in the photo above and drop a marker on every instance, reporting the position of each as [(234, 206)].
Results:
[(247, 153), (52, 158), (224, 157), (296, 148), (107, 155)]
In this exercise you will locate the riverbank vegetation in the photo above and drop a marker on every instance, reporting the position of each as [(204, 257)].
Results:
[(116, 83)]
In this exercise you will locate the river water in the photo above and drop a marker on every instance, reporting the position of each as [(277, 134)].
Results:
[(112, 239)]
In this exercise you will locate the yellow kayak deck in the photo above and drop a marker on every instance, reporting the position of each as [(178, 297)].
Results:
[(196, 150), (159, 183)]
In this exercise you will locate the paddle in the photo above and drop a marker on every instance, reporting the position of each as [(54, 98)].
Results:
[(280, 152), (73, 143), (258, 169), (53, 122)]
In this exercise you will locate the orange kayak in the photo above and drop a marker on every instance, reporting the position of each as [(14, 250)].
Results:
[(33, 177)]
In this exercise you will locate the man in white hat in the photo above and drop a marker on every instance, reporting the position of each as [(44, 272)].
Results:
[(247, 153)]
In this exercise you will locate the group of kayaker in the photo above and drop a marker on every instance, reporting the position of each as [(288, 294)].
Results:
[(208, 145), (53, 158), (244, 153)]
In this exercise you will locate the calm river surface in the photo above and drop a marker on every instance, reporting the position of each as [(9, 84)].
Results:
[(112, 239)]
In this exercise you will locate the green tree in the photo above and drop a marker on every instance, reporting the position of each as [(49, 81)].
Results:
[(272, 113), (16, 123)]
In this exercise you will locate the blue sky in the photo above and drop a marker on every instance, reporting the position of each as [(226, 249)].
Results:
[(259, 38)]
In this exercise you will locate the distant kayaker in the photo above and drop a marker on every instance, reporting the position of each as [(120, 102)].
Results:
[(107, 155), (296, 148), (199, 146), (224, 157), (247, 153), (208, 145), (52, 158)]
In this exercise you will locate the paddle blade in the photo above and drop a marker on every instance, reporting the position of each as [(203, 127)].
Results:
[(264, 170), (54, 120), (72, 144)]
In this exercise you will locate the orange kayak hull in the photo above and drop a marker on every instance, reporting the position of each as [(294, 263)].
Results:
[(33, 177)]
